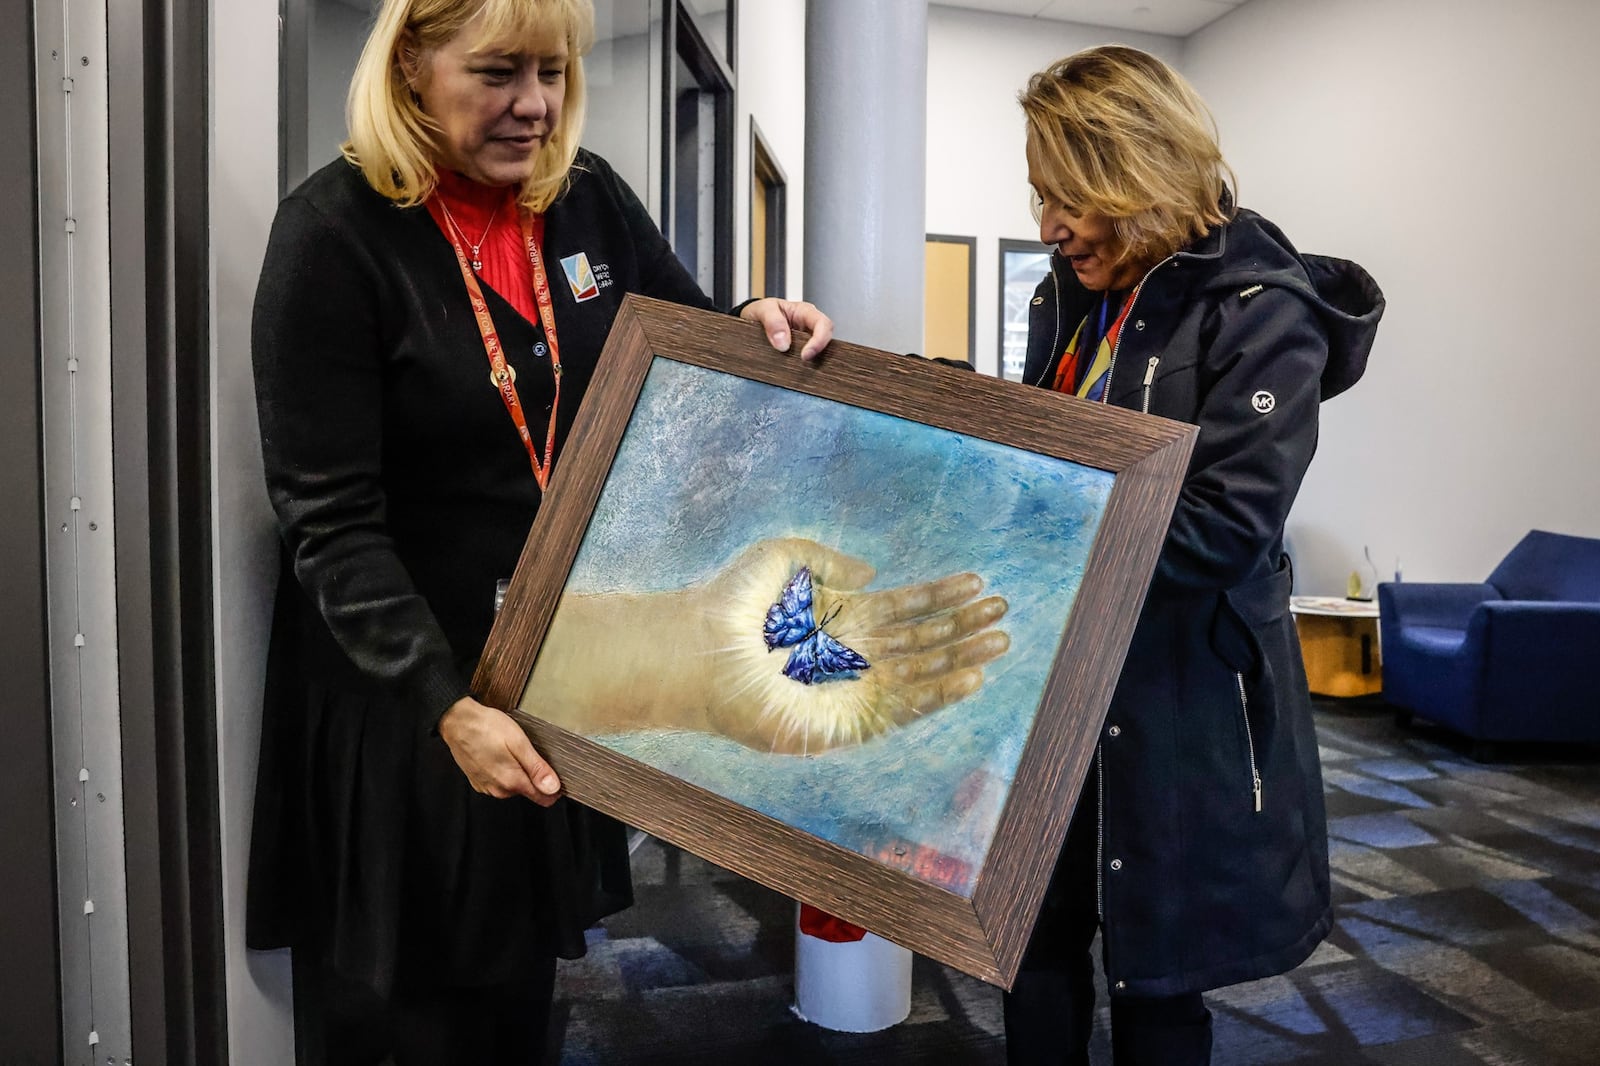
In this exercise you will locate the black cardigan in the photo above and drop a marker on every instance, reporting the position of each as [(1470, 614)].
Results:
[(402, 490)]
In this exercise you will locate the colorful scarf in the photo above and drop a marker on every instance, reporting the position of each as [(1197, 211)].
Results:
[(1087, 377)]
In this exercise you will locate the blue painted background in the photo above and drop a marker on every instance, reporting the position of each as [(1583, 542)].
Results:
[(713, 463)]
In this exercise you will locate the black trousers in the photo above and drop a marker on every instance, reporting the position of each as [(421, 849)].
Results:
[(1049, 1012), (340, 1022)]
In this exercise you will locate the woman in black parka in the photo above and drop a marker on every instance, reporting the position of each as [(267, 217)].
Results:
[(1199, 848)]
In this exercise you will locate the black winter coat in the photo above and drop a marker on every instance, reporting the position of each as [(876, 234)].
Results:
[(1214, 854)]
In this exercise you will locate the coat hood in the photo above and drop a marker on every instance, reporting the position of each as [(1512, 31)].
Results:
[(1252, 251), (1246, 253)]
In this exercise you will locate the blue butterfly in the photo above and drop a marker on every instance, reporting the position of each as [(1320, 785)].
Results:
[(816, 657)]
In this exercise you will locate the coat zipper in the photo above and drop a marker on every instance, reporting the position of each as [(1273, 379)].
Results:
[(1111, 371), (1100, 834), (1099, 752), (1149, 376), (1249, 741)]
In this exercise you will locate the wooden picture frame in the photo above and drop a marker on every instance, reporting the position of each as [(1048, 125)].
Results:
[(983, 927)]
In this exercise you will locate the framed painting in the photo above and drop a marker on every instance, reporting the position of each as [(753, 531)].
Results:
[(847, 628)]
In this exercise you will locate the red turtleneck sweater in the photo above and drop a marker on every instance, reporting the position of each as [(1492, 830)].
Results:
[(488, 213)]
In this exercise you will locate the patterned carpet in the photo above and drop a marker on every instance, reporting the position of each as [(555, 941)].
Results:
[(1468, 932)]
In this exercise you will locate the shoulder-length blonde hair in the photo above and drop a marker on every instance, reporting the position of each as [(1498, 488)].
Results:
[(1116, 131), (392, 139)]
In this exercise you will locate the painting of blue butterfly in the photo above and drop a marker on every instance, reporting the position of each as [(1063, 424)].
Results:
[(791, 623)]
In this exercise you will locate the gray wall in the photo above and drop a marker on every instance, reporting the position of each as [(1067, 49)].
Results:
[(617, 126), (335, 34), (30, 1004), (976, 175), (244, 197), (1450, 147)]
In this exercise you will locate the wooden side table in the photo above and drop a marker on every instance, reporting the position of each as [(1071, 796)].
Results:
[(1339, 642)]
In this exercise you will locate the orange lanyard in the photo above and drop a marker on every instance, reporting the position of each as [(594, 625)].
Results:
[(502, 375)]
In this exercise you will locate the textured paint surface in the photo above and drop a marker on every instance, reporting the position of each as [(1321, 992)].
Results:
[(712, 464)]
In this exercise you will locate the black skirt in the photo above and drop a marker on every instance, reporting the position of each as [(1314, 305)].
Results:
[(371, 851)]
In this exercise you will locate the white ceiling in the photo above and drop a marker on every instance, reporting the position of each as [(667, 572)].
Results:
[(1175, 18)]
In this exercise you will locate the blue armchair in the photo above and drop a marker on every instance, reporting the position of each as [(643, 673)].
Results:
[(1515, 658)]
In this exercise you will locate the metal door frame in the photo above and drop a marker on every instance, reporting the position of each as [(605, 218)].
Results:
[(122, 365), (30, 1007)]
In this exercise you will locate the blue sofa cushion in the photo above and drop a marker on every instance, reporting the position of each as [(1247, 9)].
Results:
[(1550, 566), (1434, 640)]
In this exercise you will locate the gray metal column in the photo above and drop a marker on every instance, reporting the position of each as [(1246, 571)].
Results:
[(160, 443), (865, 177)]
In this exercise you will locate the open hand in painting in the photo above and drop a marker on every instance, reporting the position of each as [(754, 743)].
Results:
[(782, 651), (833, 664)]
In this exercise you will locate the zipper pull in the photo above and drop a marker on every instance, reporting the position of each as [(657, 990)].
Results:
[(1256, 788), (1150, 370)]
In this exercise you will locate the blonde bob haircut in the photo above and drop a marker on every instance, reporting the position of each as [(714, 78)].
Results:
[(391, 138), (1116, 131)]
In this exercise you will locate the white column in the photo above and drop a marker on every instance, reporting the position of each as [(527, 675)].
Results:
[(866, 152), (865, 187)]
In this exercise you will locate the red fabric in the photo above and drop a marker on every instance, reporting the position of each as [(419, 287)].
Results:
[(825, 926), (1066, 370), (506, 269)]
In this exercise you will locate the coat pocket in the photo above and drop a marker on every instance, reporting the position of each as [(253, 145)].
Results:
[(1245, 612), (1248, 633)]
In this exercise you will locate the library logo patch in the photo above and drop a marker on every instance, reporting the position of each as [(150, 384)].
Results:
[(582, 277)]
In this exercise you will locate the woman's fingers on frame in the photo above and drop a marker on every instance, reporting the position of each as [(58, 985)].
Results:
[(820, 326), (531, 775), (504, 781), (508, 785), (498, 787)]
